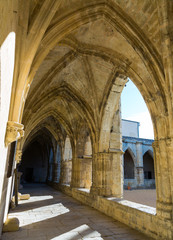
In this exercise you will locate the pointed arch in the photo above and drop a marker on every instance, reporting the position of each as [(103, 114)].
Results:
[(129, 166), (148, 163)]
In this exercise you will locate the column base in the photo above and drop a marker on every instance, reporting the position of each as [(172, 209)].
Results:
[(23, 196), (164, 210), (11, 225), (73, 185), (105, 192), (12, 204)]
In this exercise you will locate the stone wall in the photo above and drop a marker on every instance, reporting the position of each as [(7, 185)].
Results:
[(7, 57)]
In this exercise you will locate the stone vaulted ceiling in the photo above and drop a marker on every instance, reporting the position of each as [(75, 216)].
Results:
[(86, 46)]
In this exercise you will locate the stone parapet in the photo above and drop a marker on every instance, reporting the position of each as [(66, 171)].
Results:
[(138, 216)]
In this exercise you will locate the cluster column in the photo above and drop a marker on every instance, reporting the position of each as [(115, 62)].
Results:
[(107, 174), (163, 160), (76, 172)]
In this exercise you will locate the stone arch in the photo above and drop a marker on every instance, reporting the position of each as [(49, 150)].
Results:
[(111, 109), (36, 156), (97, 10), (42, 116), (150, 152), (129, 149), (106, 10), (68, 93)]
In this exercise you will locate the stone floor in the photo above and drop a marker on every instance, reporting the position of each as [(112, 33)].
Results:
[(143, 196), (50, 214)]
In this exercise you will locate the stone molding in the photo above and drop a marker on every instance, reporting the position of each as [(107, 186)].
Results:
[(114, 150), (18, 156), (14, 132)]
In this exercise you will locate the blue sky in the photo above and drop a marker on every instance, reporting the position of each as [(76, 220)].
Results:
[(134, 108)]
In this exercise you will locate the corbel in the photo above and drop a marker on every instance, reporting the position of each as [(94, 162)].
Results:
[(14, 132)]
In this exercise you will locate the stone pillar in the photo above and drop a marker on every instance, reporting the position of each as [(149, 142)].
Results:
[(86, 172), (66, 169), (19, 174), (76, 169), (18, 158), (163, 162), (88, 147), (139, 166), (107, 174), (55, 172)]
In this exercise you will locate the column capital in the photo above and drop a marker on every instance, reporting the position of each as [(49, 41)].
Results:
[(110, 150), (14, 131), (117, 151), (168, 141)]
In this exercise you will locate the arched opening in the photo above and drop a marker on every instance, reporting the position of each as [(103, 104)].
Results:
[(149, 175), (34, 165), (137, 134), (128, 166), (129, 169), (37, 163)]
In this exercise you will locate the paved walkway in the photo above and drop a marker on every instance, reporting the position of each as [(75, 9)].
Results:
[(50, 214)]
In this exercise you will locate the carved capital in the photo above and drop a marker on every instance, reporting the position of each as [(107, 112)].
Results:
[(155, 144), (168, 141), (117, 151), (18, 156), (14, 131)]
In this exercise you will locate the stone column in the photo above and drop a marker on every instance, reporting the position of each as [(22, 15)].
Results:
[(14, 132), (76, 173), (140, 168), (88, 147), (55, 172), (66, 169), (163, 162), (86, 173), (107, 174)]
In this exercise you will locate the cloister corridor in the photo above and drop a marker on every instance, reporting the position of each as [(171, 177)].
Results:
[(50, 214)]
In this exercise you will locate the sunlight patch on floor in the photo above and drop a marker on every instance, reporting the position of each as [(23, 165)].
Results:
[(36, 199), (79, 232)]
